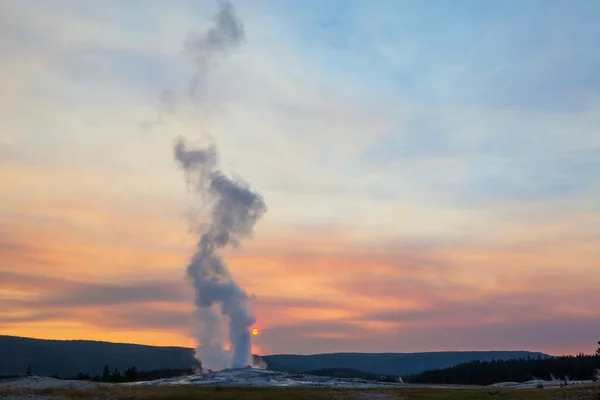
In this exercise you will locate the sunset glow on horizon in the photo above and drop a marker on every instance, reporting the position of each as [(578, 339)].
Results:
[(431, 176)]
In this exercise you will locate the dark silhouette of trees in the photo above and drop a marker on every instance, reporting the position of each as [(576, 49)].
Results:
[(116, 376), (131, 374), (83, 377), (106, 374), (29, 371), (580, 367)]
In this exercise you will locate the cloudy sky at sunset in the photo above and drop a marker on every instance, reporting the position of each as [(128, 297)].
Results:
[(431, 171)]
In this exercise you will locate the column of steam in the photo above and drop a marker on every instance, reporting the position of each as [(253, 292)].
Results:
[(235, 210)]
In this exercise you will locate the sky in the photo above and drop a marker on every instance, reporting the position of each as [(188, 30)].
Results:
[(431, 171)]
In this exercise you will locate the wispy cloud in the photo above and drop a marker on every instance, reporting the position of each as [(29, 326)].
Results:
[(424, 168)]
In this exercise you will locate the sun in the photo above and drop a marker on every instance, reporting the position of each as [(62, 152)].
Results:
[(255, 331)]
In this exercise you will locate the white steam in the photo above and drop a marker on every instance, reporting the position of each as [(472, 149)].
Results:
[(235, 209), (222, 310)]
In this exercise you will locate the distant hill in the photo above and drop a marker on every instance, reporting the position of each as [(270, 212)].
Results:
[(66, 358), (395, 364)]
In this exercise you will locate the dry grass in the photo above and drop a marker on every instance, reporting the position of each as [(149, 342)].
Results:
[(254, 393)]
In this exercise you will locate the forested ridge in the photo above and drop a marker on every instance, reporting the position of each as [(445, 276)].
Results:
[(113, 362), (580, 367), (69, 358)]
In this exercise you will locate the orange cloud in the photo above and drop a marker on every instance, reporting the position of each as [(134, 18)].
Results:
[(104, 271)]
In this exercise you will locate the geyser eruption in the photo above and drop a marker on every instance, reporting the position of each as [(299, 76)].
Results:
[(234, 209)]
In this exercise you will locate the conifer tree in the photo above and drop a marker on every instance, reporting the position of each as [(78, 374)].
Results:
[(106, 374)]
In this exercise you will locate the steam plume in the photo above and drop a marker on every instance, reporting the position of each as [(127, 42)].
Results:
[(235, 210), (221, 304), (226, 34)]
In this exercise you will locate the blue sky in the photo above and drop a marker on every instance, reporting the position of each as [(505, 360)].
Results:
[(449, 147)]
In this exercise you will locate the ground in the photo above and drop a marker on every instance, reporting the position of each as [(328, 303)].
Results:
[(269, 393)]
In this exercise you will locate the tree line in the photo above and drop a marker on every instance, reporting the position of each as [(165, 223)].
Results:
[(580, 367), (130, 375)]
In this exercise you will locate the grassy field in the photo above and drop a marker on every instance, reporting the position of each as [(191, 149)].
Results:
[(240, 393)]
